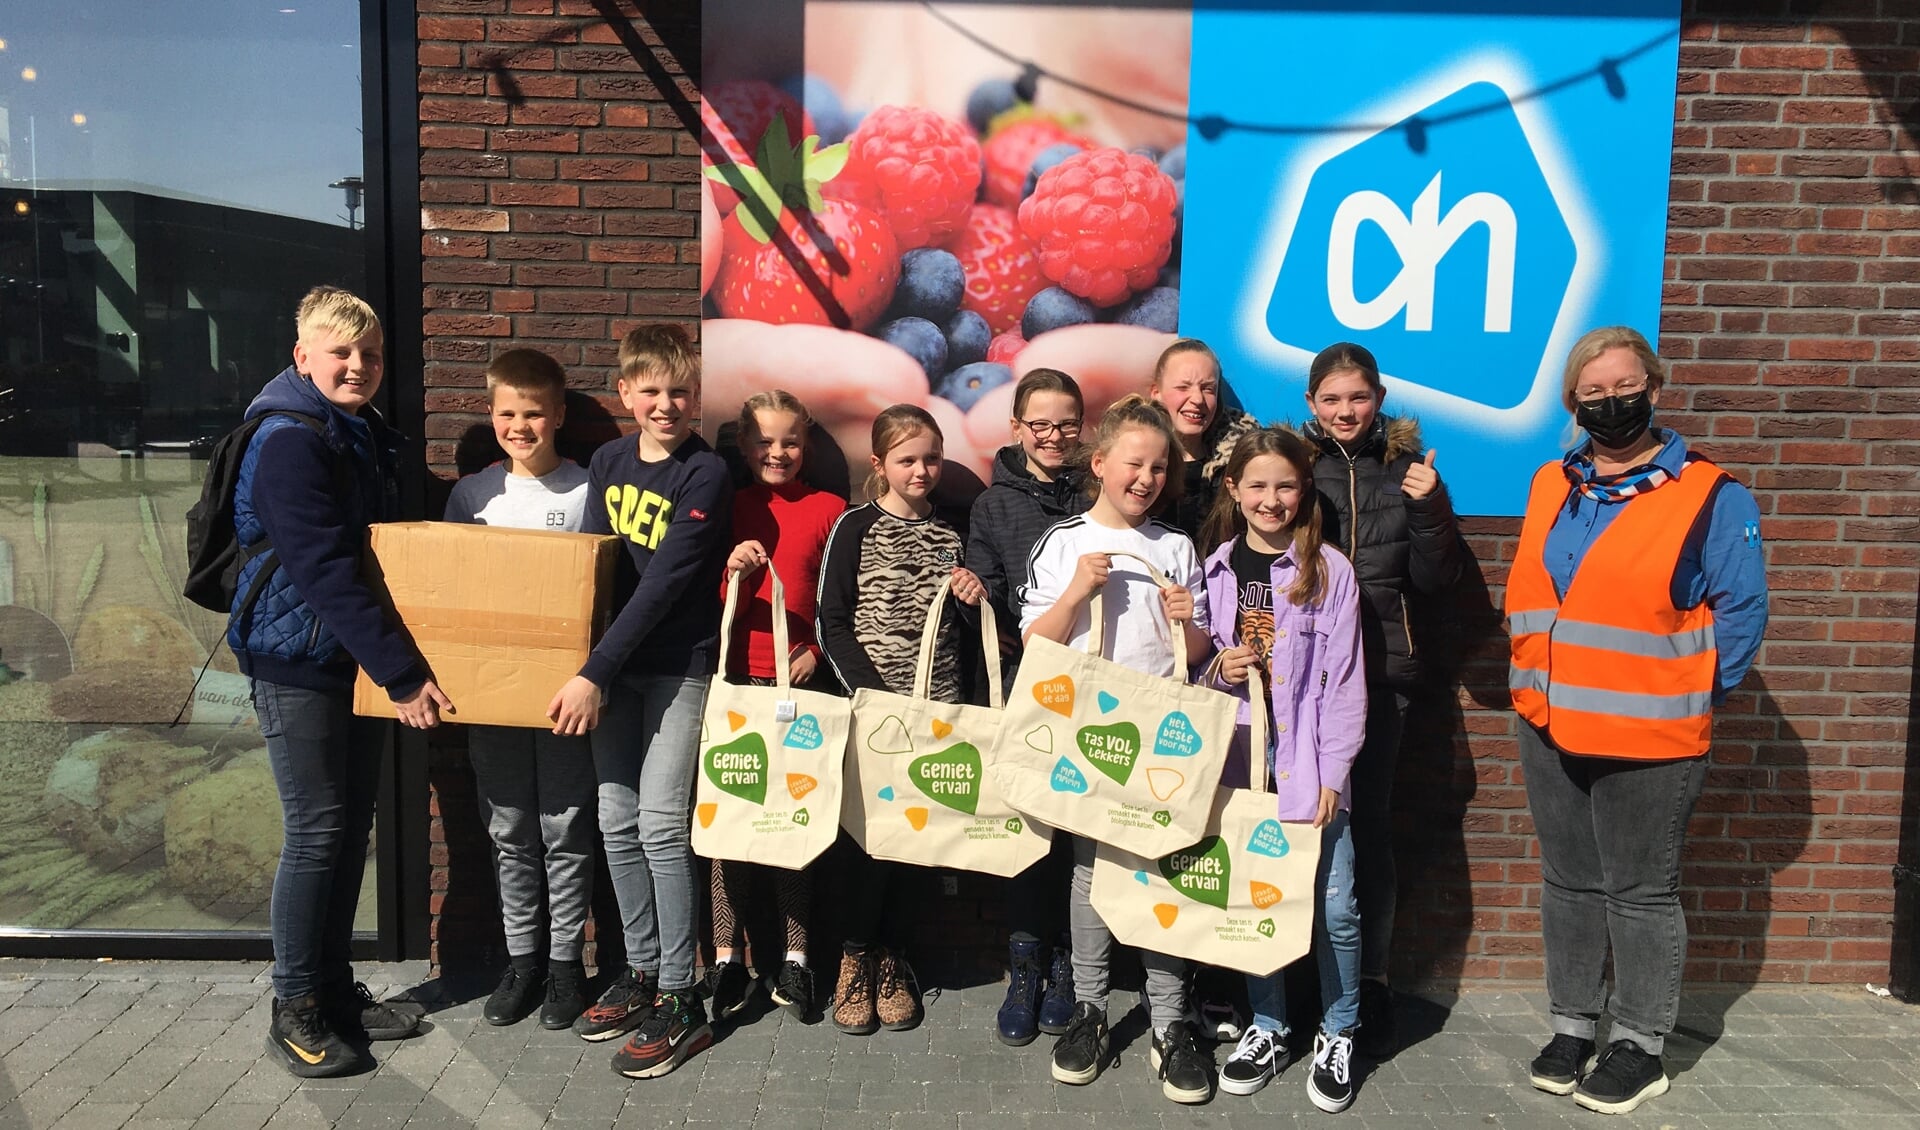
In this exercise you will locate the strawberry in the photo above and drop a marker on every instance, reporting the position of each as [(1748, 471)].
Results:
[(1102, 223), (1001, 268), (734, 117), (1010, 151), (790, 255), (922, 170)]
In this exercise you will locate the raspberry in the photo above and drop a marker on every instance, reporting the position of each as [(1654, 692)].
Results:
[(1010, 152), (1005, 347), (1002, 271), (921, 168), (734, 116), (1102, 222)]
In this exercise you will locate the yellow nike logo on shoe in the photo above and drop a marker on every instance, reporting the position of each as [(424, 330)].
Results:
[(314, 1058)]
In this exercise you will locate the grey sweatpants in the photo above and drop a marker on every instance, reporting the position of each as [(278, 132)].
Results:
[(537, 793), (1093, 952)]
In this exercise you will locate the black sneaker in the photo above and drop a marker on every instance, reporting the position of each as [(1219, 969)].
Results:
[(793, 990), (355, 1015), (1625, 1077), (674, 1030), (1378, 1039), (307, 1044), (518, 994), (1186, 1073), (730, 987), (1079, 1054), (1260, 1056), (566, 995), (1559, 1066), (622, 1008), (1331, 1084)]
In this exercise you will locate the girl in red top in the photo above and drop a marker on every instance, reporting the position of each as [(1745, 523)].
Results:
[(778, 518)]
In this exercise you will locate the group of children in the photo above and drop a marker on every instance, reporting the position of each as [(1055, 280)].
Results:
[(1062, 521)]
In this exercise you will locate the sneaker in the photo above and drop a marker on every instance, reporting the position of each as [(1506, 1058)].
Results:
[(1331, 1084), (622, 1008), (1625, 1077), (853, 1011), (1018, 1022), (1378, 1040), (566, 995), (1221, 1020), (1559, 1066), (355, 1015), (675, 1029), (729, 987), (1260, 1056), (307, 1044), (518, 994), (793, 990), (1081, 1051), (896, 994), (1056, 1007), (1186, 1073)]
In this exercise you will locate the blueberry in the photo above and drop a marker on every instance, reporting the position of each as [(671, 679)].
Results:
[(1157, 308), (830, 119), (1046, 159), (920, 339), (969, 383), (989, 100), (931, 283), (1169, 276), (1174, 162), (1053, 308), (967, 339)]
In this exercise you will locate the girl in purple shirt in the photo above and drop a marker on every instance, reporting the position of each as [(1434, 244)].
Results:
[(1298, 624)]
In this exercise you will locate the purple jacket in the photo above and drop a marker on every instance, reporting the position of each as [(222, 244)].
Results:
[(1319, 687)]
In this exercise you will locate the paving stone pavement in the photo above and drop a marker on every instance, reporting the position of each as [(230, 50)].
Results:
[(182, 1044)]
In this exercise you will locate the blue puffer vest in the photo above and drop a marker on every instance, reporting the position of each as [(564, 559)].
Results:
[(281, 628)]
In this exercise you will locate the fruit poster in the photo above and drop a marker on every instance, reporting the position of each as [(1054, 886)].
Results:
[(922, 202)]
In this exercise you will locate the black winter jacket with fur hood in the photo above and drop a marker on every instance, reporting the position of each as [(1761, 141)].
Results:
[(1399, 546)]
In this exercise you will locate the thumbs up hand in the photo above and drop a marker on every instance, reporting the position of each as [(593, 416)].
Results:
[(1421, 478)]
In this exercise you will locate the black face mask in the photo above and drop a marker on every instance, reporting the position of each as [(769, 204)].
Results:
[(1617, 421)]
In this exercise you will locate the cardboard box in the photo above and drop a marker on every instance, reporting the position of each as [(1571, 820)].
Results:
[(503, 617)]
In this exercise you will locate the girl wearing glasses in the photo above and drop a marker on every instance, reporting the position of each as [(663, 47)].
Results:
[(1035, 484)]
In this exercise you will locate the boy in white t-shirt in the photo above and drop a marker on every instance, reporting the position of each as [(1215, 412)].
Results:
[(537, 789)]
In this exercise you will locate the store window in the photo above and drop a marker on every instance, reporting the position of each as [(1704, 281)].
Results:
[(173, 177)]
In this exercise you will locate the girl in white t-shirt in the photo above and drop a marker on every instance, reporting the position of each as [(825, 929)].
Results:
[(1130, 459)]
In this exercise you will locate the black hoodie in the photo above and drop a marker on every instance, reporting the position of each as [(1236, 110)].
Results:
[(1007, 518)]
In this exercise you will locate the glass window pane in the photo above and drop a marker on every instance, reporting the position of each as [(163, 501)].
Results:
[(173, 177)]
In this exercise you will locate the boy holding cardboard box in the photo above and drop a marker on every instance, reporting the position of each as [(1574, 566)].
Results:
[(536, 788), (668, 496)]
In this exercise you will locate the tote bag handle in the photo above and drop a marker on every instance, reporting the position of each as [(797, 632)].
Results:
[(1097, 630), (782, 662), (989, 643), (1257, 778)]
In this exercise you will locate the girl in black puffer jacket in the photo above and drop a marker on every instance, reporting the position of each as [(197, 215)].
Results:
[(1388, 511)]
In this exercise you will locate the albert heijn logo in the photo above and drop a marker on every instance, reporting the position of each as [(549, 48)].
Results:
[(1439, 244)]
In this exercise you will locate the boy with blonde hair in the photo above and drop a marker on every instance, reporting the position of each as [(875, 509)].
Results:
[(536, 788)]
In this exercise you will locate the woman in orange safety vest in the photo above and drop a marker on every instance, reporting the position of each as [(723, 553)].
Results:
[(1637, 600)]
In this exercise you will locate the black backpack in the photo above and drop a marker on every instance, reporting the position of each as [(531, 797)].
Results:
[(214, 553)]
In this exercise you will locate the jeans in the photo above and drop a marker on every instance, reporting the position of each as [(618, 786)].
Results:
[(1093, 952), (1610, 834), (1336, 942), (1036, 897), (644, 752), (536, 791), (326, 764), (1370, 791)]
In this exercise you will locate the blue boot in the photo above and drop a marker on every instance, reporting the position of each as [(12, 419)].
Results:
[(1016, 1020), (1056, 1007)]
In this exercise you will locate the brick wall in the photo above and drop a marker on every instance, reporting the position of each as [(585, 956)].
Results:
[(558, 207)]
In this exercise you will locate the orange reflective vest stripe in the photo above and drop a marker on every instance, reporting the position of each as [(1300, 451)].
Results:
[(1615, 670)]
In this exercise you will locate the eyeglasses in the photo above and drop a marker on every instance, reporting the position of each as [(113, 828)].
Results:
[(1591, 395), (1044, 429)]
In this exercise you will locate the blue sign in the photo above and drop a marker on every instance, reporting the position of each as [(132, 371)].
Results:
[(1465, 194)]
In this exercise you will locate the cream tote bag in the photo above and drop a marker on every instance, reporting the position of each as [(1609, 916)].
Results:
[(1241, 898), (917, 788), (768, 788), (1107, 752)]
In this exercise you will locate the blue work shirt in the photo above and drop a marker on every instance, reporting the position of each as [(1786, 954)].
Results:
[(1721, 562)]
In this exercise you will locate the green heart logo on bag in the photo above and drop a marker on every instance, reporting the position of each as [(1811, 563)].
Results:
[(1200, 872), (1112, 749), (740, 767), (951, 777)]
